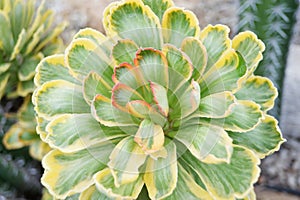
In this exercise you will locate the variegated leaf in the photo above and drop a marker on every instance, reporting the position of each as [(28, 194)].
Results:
[(101, 40), (209, 144), (159, 7), (59, 97), (216, 41), (153, 65), (150, 137), (74, 132), (161, 175), (53, 68), (143, 27), (92, 193), (6, 41), (251, 48), (38, 149), (217, 105), (197, 54), (83, 56), (223, 75), (184, 100), (124, 51), (227, 181), (178, 24), (94, 84), (70, 173), (258, 89), (187, 188), (105, 183), (160, 98), (27, 70), (244, 116), (178, 63), (264, 139), (104, 112), (125, 160)]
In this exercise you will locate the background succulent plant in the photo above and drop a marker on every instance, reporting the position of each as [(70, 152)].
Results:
[(156, 107), (273, 22), (27, 36)]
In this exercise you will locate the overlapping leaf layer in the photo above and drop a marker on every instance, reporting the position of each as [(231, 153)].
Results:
[(157, 104)]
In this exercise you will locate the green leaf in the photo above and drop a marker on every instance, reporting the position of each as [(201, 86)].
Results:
[(251, 48), (129, 75), (74, 132), (41, 127), (101, 40), (52, 35), (3, 82), (178, 24), (178, 63), (11, 138), (187, 188), (141, 109), (258, 89), (133, 20), (216, 105), (122, 94), (59, 97), (224, 75), (264, 139), (4, 67), (37, 36), (24, 88), (153, 65), (6, 41), (92, 193), (159, 7), (27, 69), (161, 175), (104, 112), (227, 180), (160, 98), (38, 149), (150, 137), (196, 52), (209, 144), (22, 39), (26, 112), (216, 41), (94, 84), (125, 160), (70, 173), (17, 15), (124, 51), (83, 56), (53, 68), (184, 100), (105, 183), (244, 116)]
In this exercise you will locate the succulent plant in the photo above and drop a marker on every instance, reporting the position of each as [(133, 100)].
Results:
[(273, 22), (23, 132), (156, 109), (27, 36)]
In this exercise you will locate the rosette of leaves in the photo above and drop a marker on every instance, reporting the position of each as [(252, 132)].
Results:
[(27, 36), (156, 109), (23, 132)]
